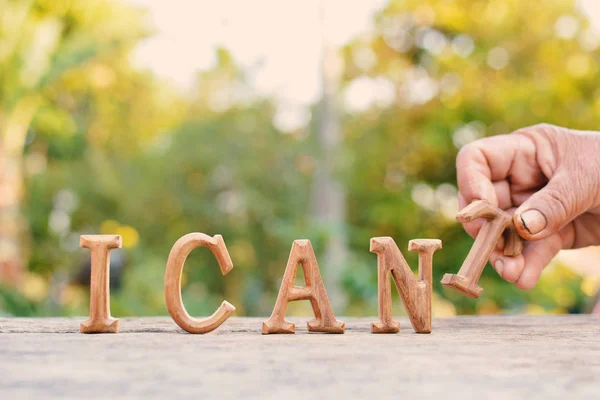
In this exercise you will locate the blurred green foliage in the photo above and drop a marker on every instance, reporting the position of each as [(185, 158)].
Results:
[(111, 149)]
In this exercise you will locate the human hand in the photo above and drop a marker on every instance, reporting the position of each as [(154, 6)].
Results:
[(549, 177)]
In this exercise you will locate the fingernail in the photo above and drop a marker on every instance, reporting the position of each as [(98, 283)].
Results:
[(499, 266), (534, 221)]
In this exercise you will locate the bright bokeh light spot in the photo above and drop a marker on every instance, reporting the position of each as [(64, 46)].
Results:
[(535, 309), (59, 222), (447, 200), (394, 30), (291, 118), (65, 200), (230, 202), (35, 287), (424, 15), (102, 76), (73, 296), (419, 87), (566, 27), (109, 227), (498, 58), (443, 199), (432, 40), (129, 235), (463, 45), (450, 83), (424, 196), (364, 58), (496, 12), (579, 65), (467, 133), (365, 92)]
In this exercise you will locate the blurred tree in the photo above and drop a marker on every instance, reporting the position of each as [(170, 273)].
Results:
[(225, 170), (435, 75), (111, 149), (328, 194), (41, 43)]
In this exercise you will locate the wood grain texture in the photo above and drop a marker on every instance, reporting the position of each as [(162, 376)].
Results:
[(181, 249), (302, 253), (100, 320), (496, 224), (487, 357), (415, 293), (513, 243)]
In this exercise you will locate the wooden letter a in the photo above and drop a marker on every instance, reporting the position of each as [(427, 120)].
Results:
[(302, 253), (415, 293)]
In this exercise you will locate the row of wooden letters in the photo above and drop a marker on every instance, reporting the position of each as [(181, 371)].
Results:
[(414, 291)]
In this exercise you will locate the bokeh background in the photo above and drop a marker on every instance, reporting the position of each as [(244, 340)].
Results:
[(269, 121)]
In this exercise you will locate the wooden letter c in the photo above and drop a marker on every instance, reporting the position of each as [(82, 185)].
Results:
[(181, 249)]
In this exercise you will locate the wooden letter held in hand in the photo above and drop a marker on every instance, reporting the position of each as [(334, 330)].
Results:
[(181, 249), (497, 223), (302, 253), (100, 320), (416, 293)]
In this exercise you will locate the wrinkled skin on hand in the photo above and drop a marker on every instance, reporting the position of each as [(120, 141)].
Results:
[(549, 178)]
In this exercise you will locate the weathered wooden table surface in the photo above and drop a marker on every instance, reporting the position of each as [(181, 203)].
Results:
[(496, 357)]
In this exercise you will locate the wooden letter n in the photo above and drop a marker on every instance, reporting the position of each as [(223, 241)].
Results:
[(415, 292)]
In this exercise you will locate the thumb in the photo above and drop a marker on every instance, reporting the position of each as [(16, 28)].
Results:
[(549, 210)]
